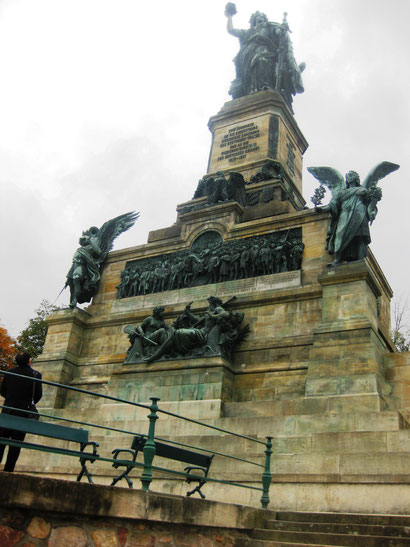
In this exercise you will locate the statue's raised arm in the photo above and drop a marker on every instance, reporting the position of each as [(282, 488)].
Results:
[(230, 11), (95, 243)]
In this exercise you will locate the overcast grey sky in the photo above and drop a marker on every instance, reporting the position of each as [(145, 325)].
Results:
[(104, 107)]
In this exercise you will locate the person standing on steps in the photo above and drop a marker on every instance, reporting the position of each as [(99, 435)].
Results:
[(22, 394)]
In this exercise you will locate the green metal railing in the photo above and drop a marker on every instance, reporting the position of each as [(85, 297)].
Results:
[(149, 449)]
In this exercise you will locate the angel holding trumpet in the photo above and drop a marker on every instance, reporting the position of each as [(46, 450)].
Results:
[(352, 208)]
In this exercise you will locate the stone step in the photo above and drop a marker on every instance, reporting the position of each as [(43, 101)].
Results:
[(320, 538), (316, 443), (366, 462), (353, 518), (333, 467), (301, 405), (260, 543), (199, 410), (260, 426), (339, 528), (221, 468)]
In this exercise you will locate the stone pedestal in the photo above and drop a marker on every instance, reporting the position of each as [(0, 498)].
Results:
[(62, 349), (204, 379), (250, 130), (347, 353), (196, 388)]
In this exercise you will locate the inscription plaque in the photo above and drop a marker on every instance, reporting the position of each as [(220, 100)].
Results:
[(239, 141)]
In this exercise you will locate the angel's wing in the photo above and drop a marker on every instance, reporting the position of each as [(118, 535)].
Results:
[(379, 172), (112, 229), (329, 177)]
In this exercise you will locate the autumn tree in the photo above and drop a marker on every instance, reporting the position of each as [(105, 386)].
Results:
[(32, 338), (8, 350), (400, 330)]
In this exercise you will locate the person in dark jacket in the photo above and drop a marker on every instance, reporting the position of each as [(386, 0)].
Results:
[(20, 393)]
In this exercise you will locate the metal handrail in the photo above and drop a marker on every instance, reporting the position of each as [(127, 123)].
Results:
[(149, 449), (133, 433), (67, 452), (111, 398)]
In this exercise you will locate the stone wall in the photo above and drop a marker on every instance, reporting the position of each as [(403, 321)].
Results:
[(38, 512), (398, 374)]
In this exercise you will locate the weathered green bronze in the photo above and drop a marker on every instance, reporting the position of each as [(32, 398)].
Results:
[(219, 189), (212, 334), (352, 208), (213, 262), (84, 276), (265, 59), (149, 446), (222, 188), (266, 476), (145, 338)]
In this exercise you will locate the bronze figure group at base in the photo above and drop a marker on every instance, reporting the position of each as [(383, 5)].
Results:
[(213, 333)]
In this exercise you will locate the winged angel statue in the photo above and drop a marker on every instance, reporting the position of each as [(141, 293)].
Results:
[(352, 208), (95, 244)]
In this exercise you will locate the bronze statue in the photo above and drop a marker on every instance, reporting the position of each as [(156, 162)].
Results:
[(213, 333), (219, 189), (352, 208), (84, 275), (145, 338), (265, 59), (224, 261)]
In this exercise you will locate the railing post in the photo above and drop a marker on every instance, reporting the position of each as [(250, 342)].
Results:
[(266, 476), (149, 446)]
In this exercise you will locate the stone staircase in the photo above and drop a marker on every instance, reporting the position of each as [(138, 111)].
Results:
[(320, 462), (325, 529)]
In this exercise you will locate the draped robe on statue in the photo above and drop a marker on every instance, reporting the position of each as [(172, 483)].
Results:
[(349, 232)]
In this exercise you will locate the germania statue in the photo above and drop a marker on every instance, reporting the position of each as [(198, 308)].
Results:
[(265, 59), (352, 208)]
